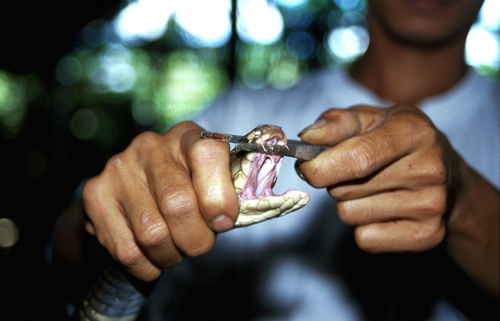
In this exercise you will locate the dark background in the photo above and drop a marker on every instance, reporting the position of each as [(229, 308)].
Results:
[(34, 35)]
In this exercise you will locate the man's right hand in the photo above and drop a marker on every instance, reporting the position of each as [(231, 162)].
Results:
[(161, 199)]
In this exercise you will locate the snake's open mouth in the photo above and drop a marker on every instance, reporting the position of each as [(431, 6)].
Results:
[(261, 176), (254, 175)]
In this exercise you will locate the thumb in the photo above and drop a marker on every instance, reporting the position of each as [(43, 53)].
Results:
[(336, 125)]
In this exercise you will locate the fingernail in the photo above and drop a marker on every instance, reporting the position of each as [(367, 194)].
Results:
[(319, 123), (89, 228), (222, 223), (298, 171)]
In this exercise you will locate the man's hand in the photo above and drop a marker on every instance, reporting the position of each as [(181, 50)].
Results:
[(390, 172), (162, 198), (397, 179)]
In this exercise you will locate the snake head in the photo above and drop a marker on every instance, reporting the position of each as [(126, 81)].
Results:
[(254, 175)]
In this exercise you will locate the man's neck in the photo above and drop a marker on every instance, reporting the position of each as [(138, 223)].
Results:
[(408, 73)]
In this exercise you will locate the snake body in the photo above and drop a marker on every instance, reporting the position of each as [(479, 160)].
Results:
[(254, 174)]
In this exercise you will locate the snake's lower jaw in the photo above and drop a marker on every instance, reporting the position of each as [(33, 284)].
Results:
[(258, 210)]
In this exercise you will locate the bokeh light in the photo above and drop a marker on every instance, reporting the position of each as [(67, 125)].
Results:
[(9, 234), (143, 20), (292, 4), (483, 42), (86, 40), (489, 16), (117, 70), (301, 44), (346, 44), (186, 85), (207, 26), (259, 21), (84, 123), (285, 73), (16, 92), (347, 5), (68, 70), (482, 48), (298, 17), (167, 60)]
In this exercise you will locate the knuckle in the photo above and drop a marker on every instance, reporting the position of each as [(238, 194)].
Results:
[(128, 254), (220, 202), (428, 235), (342, 212), (94, 196), (90, 188), (316, 176), (154, 239), (152, 234), (200, 247), (202, 147), (146, 141), (433, 173), (342, 192), (361, 161), (364, 243), (435, 204), (178, 201), (200, 151), (335, 114), (438, 173), (405, 111), (345, 212), (206, 152), (115, 162)]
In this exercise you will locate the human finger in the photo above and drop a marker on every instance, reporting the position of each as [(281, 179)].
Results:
[(411, 172), (400, 235), (174, 192), (113, 231), (336, 125), (382, 142), (149, 227), (393, 206), (217, 199), (178, 204)]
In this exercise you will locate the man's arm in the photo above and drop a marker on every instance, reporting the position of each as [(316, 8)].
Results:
[(473, 240)]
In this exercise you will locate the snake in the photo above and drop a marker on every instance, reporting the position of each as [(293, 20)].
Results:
[(254, 174)]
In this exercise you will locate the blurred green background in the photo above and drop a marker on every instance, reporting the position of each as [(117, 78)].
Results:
[(80, 79)]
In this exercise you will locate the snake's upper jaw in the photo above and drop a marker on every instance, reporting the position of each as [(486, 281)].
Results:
[(254, 178)]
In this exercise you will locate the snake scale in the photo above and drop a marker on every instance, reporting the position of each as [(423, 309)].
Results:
[(254, 174)]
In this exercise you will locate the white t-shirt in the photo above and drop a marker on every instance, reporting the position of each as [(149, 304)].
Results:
[(305, 266)]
